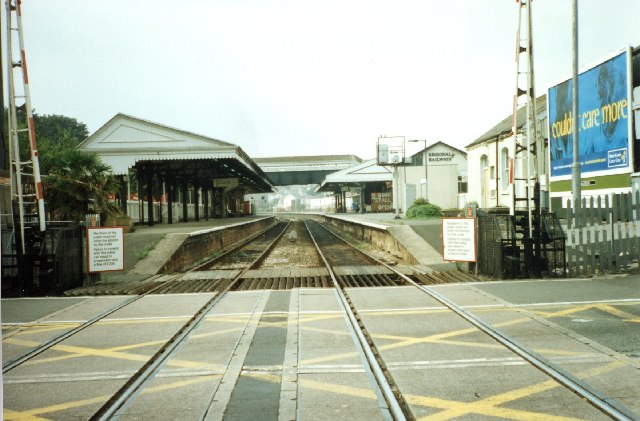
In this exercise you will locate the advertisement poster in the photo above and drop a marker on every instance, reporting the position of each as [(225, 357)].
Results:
[(381, 202), (603, 121)]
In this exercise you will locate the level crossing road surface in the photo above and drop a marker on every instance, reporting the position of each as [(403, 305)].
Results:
[(290, 355)]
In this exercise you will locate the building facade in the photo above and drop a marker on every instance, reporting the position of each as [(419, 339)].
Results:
[(489, 165), (442, 181)]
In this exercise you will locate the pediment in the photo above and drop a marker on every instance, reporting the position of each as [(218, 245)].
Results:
[(132, 134)]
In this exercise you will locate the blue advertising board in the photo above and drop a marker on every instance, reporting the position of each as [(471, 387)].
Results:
[(603, 121)]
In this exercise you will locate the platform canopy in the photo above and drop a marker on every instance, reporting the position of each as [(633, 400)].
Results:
[(127, 142), (366, 172), (299, 170)]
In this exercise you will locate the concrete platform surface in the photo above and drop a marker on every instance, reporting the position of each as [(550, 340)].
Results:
[(291, 355)]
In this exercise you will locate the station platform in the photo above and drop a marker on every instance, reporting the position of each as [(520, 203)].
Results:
[(149, 243)]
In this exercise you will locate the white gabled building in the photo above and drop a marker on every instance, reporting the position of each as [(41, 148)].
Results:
[(445, 176), (179, 173), (488, 159)]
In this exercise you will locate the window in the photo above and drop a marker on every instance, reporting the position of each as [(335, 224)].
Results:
[(504, 168), (462, 185)]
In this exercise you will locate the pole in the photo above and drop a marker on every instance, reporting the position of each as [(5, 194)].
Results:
[(426, 178), (4, 150), (575, 166), (426, 170), (396, 192)]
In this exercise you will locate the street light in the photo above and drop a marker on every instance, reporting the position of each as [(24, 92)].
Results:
[(426, 185)]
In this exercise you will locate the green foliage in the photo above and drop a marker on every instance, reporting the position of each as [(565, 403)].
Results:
[(54, 134), (421, 209), (78, 184), (75, 182)]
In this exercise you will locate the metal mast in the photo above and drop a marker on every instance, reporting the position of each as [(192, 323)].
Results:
[(26, 184), (527, 150)]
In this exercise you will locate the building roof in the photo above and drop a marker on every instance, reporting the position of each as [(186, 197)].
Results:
[(125, 140), (440, 143), (505, 126), (308, 158), (307, 163), (365, 172)]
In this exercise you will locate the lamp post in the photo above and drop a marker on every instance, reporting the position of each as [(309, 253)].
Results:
[(426, 185)]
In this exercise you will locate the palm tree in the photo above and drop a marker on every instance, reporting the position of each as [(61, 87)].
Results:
[(78, 184)]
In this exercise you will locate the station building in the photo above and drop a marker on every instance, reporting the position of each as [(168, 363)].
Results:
[(171, 175), (488, 159), (442, 181), (365, 187)]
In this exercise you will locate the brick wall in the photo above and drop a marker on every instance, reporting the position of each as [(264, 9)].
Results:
[(198, 246), (379, 237)]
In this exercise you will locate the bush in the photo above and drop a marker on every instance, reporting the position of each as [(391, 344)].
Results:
[(421, 209)]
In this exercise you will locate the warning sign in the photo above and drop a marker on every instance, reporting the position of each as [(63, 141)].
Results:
[(105, 249), (459, 239)]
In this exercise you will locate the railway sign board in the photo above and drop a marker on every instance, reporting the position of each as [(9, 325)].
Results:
[(105, 249), (227, 183), (459, 239)]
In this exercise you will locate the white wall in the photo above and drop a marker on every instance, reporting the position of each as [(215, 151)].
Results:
[(445, 165)]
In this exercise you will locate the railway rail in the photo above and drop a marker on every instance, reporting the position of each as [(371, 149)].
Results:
[(158, 285), (607, 405), (316, 258)]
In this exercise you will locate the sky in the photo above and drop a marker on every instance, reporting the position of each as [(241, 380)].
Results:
[(302, 77)]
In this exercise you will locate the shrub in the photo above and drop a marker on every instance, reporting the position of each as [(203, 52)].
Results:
[(421, 209)]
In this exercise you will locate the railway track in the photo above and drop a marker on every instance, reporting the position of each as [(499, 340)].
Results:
[(324, 260), (164, 284), (607, 405)]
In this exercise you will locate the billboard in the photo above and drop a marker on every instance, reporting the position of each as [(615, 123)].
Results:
[(603, 121)]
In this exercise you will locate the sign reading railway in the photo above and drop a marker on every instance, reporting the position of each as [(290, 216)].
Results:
[(459, 239), (105, 249)]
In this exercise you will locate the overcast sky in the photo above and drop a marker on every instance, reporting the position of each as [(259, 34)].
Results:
[(297, 77)]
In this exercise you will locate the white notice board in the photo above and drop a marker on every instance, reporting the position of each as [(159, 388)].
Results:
[(105, 249), (459, 239)]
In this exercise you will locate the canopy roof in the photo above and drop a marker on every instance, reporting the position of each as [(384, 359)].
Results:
[(365, 172)]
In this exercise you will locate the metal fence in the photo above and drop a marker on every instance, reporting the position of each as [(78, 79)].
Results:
[(505, 250), (603, 234), (498, 255), (53, 262)]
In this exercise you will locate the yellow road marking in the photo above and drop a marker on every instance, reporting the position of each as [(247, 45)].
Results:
[(626, 317), (488, 406), (31, 414), (47, 328), (8, 414), (436, 338), (485, 408), (116, 352)]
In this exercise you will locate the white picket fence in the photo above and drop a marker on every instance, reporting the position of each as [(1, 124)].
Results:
[(604, 234)]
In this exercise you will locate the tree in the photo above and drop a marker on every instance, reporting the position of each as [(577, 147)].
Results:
[(78, 184), (75, 182), (54, 134)]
